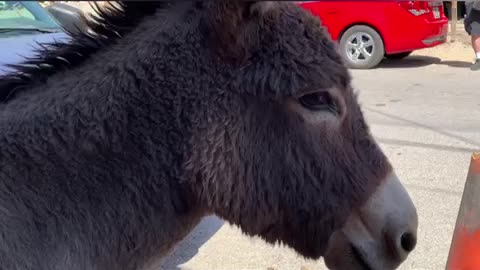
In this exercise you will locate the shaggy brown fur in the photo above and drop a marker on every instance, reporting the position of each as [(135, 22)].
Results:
[(115, 146)]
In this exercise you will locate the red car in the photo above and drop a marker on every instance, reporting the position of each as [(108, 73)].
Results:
[(368, 31)]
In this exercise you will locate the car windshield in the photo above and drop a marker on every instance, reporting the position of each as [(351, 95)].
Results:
[(18, 17)]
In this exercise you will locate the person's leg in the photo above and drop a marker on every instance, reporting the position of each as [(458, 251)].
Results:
[(476, 44), (476, 49), (472, 26)]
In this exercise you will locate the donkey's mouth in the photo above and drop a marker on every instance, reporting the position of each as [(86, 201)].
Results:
[(359, 258), (342, 254)]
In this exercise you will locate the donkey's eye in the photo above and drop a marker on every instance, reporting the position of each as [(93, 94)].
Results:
[(318, 101)]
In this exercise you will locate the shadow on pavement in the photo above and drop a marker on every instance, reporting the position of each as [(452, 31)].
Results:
[(421, 61), (461, 64), (188, 248)]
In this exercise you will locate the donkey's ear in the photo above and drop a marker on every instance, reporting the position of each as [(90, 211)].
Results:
[(259, 8), (233, 26)]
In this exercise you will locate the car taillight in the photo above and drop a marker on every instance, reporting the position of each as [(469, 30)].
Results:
[(417, 8)]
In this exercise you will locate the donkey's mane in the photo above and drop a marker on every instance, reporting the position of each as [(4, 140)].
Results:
[(110, 23)]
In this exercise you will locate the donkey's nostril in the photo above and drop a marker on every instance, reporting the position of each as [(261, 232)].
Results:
[(408, 241)]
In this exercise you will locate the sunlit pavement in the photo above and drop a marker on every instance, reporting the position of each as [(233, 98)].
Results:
[(426, 117)]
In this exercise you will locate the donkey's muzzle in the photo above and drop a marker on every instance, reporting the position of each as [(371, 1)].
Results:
[(378, 236)]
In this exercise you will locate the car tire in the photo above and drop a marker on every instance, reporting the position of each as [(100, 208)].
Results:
[(398, 56), (361, 47)]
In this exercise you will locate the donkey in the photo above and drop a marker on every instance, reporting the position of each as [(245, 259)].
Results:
[(113, 146)]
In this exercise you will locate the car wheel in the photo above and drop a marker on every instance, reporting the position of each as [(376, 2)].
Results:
[(361, 47), (398, 56)]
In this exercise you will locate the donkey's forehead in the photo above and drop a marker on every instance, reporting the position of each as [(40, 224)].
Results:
[(292, 55), (308, 47)]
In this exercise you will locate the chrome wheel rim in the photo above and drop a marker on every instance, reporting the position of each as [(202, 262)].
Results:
[(360, 47)]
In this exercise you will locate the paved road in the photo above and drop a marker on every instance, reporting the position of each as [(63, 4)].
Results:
[(426, 115)]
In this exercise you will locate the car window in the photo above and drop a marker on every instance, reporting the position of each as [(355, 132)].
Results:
[(25, 15)]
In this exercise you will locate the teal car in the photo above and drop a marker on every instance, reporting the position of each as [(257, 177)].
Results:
[(24, 24)]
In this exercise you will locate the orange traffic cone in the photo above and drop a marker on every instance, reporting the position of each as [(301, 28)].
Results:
[(465, 246)]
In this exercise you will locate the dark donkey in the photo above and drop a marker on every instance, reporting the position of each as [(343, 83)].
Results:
[(114, 147)]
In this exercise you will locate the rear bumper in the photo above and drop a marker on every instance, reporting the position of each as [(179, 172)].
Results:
[(437, 38), (427, 34)]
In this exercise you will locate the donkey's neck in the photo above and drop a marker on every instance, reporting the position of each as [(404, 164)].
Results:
[(100, 146)]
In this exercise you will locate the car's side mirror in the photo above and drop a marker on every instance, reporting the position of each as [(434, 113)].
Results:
[(70, 18)]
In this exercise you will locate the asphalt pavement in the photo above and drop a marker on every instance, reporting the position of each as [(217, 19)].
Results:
[(426, 116)]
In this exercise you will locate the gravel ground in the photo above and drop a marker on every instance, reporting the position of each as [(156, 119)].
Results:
[(459, 50)]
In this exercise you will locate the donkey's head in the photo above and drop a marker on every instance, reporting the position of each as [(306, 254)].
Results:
[(285, 152), (274, 140)]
